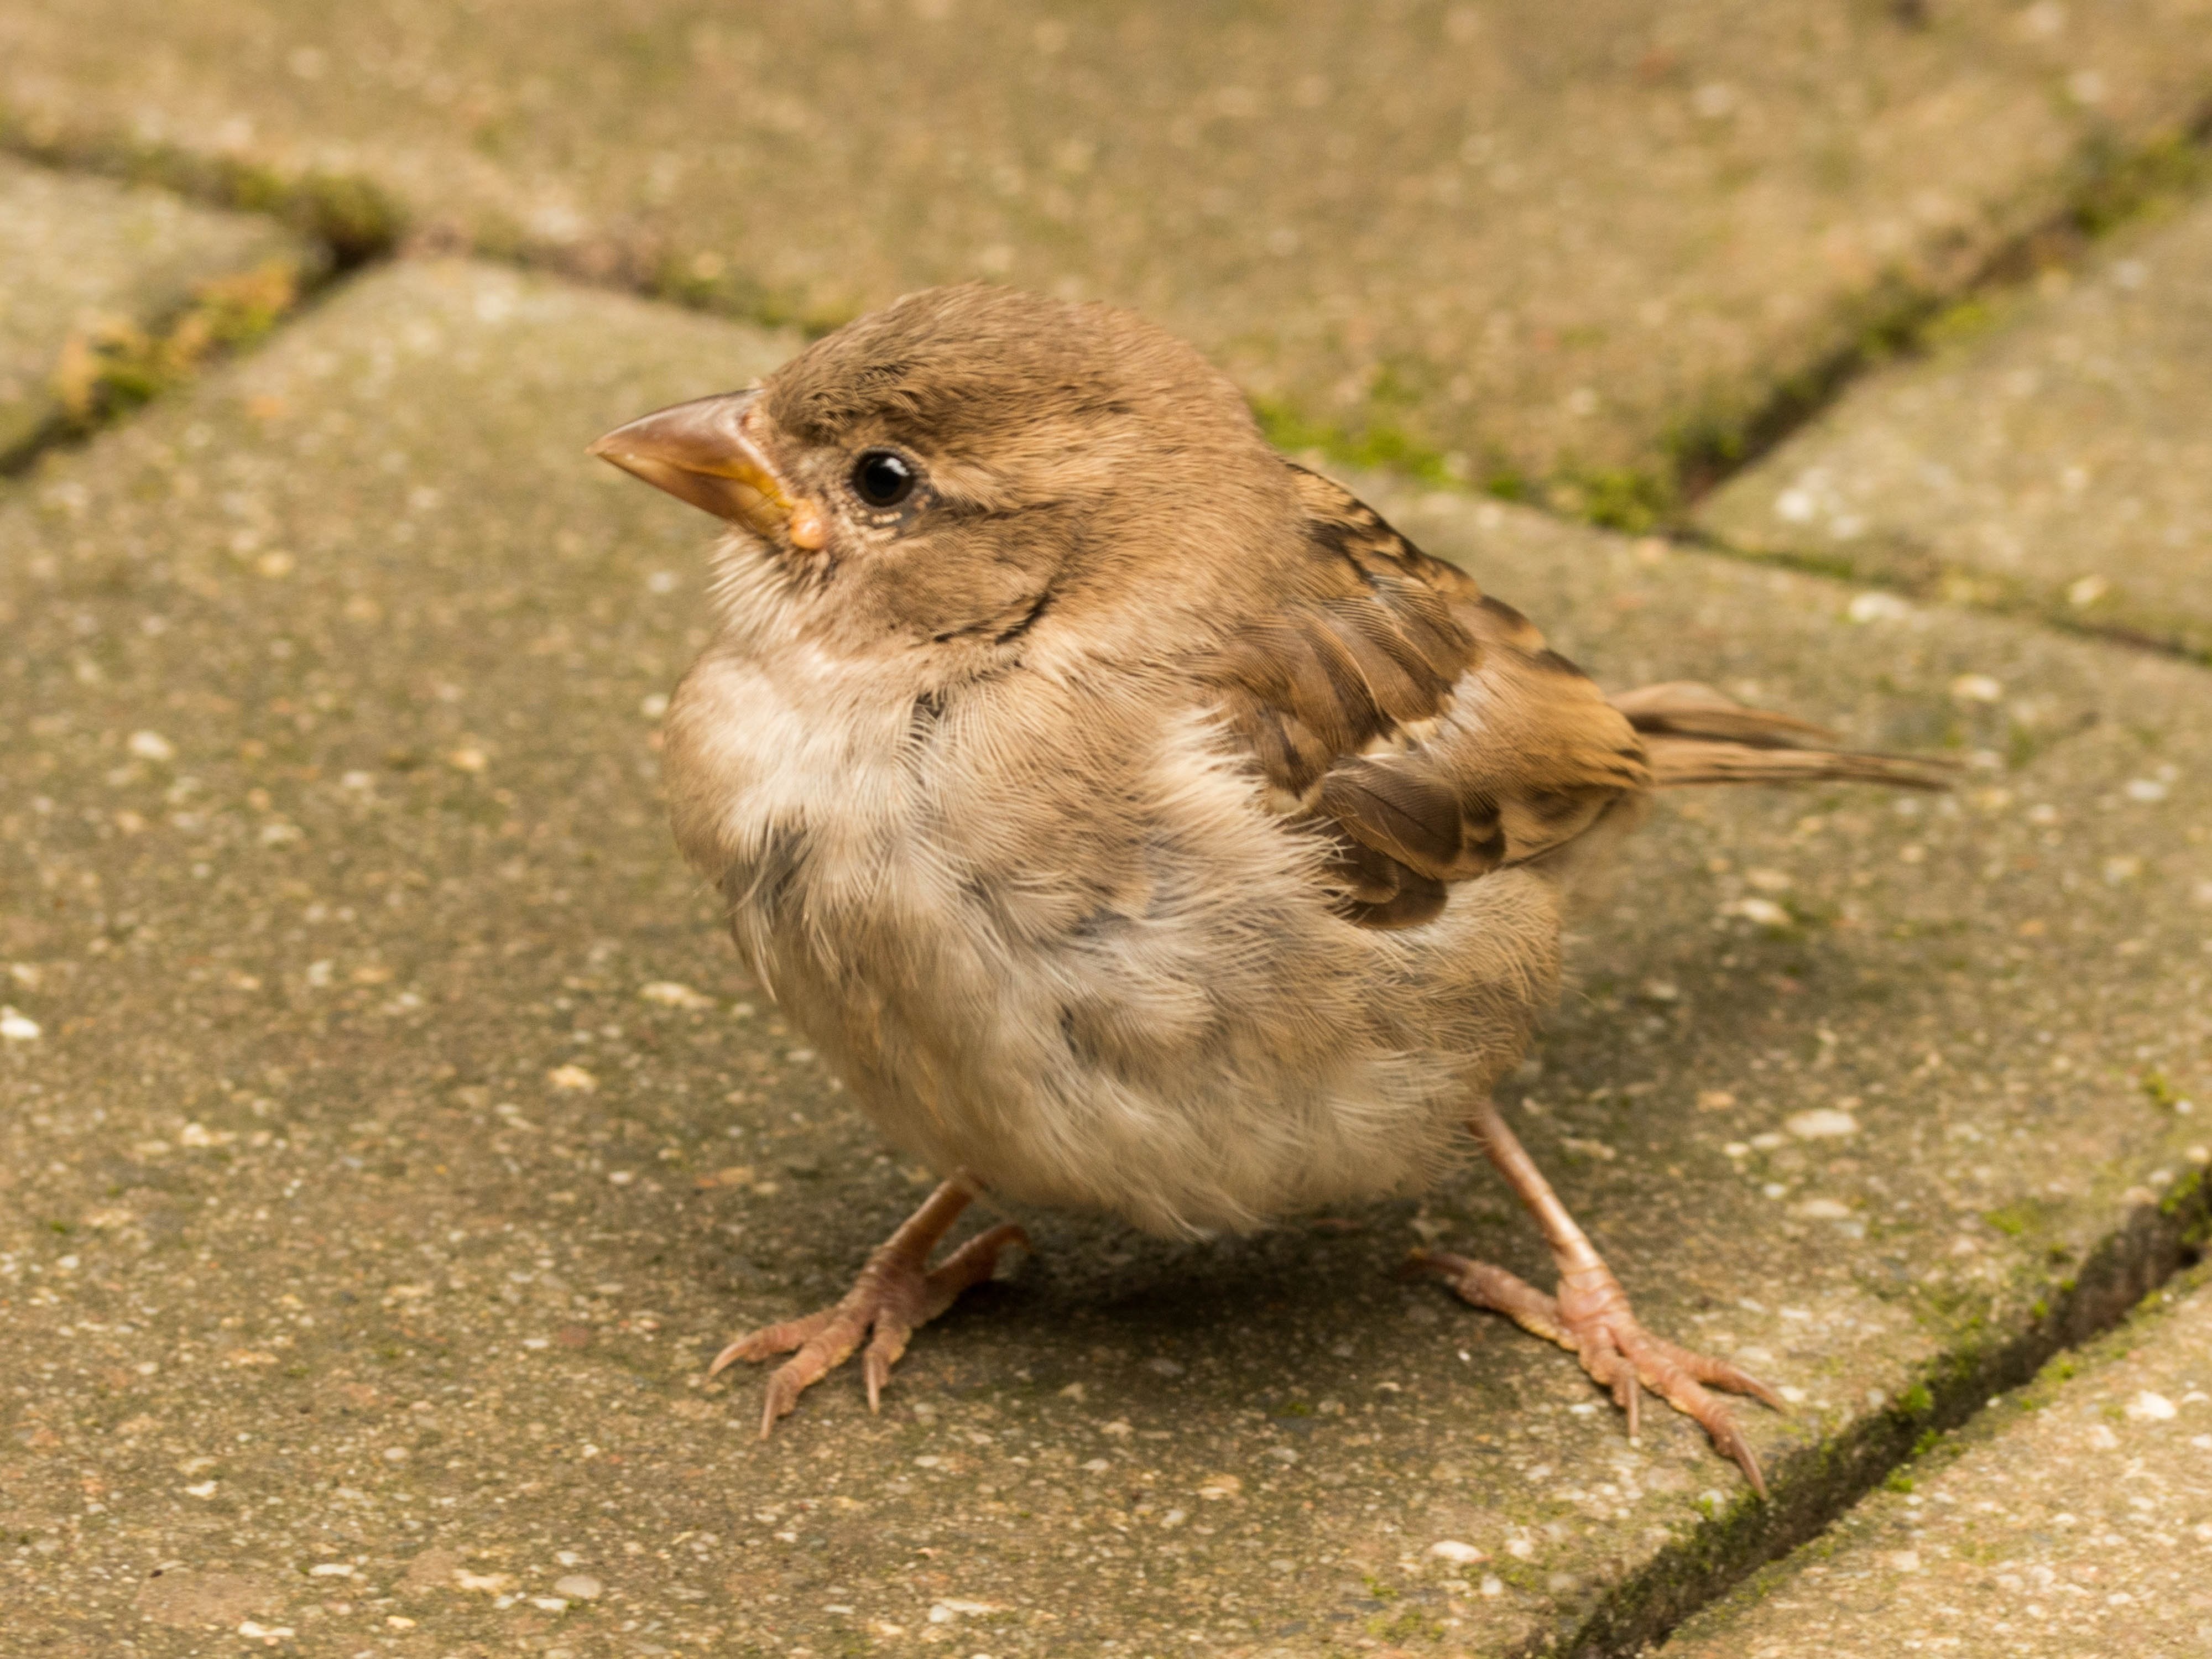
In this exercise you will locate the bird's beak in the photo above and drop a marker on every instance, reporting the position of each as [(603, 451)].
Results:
[(702, 453)]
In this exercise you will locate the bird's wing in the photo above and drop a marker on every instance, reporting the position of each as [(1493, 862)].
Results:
[(1423, 724)]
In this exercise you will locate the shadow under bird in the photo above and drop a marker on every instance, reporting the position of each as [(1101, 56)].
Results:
[(1137, 822)]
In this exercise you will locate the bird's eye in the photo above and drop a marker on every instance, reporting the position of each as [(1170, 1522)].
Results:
[(882, 478)]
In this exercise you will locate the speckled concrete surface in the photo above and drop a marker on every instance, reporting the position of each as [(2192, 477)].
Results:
[(81, 257), (1533, 236), (392, 1136), (2055, 452), (2074, 1519)]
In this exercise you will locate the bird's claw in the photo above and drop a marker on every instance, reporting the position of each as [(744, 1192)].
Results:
[(895, 1293), (1591, 1319)]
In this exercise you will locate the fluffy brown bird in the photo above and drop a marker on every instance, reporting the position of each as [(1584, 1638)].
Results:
[(1134, 819)]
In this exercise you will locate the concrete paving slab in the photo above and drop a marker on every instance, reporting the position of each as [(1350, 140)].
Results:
[(2077, 1518), (392, 1136), (2054, 453), (89, 267), (1549, 240)]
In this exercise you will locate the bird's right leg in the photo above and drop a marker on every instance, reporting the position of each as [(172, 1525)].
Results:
[(1588, 1314), (897, 1292)]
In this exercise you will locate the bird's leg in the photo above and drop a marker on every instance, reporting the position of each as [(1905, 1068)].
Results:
[(1588, 1314), (897, 1291)]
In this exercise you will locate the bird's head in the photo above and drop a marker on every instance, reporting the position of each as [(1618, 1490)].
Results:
[(973, 468)]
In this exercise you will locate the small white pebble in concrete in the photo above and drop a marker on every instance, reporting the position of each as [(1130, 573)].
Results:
[(16, 1027), (1823, 1123), (1823, 1209), (1452, 1550), (330, 1570), (1905, 1560), (1493, 1586), (1795, 1396), (205, 1489), (671, 994), (1878, 607), (573, 1079), (1977, 688), (653, 708), (2148, 1407), (151, 745), (549, 1603), (1766, 912)]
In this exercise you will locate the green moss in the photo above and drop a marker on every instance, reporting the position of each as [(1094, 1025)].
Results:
[(353, 218), (1374, 445), (1621, 498), (108, 368)]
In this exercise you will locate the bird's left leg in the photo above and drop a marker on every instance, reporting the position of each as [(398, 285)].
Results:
[(897, 1292), (1588, 1315)]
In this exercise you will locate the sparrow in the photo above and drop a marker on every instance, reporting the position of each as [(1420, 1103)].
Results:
[(1134, 820)]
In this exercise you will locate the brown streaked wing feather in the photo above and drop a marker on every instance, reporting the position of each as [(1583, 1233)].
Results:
[(1339, 693), (1696, 735)]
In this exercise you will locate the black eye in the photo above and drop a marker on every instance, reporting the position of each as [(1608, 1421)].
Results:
[(882, 478)]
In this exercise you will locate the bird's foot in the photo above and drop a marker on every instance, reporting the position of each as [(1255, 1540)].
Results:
[(1591, 1319), (896, 1292)]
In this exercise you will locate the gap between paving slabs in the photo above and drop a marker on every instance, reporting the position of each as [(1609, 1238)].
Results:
[(106, 373), (117, 293), (1748, 931), (2078, 1484)]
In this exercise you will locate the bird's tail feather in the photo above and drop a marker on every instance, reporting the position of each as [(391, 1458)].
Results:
[(1694, 735)]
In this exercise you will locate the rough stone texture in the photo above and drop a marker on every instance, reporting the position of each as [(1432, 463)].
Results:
[(81, 257), (1537, 236), (2056, 452), (399, 1135), (2075, 1517)]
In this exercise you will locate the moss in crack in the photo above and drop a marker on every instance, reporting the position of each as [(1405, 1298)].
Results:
[(353, 218), (708, 282), (1374, 445), (108, 367), (2107, 185), (1626, 498)]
